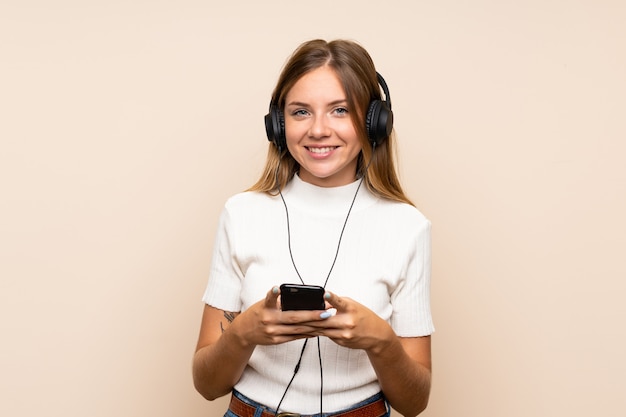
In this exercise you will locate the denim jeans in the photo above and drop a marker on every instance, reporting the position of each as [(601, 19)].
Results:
[(260, 407)]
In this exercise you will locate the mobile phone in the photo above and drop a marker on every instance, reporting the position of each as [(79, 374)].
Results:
[(302, 297)]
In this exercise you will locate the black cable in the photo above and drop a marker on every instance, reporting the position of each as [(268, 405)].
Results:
[(289, 235), (319, 352), (319, 355), (347, 217), (295, 371), (343, 228)]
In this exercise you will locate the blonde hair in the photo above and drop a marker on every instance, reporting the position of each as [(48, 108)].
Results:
[(355, 69)]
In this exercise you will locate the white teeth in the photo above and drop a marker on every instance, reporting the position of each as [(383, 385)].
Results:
[(322, 150)]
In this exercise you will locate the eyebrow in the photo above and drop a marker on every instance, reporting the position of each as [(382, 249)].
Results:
[(302, 104)]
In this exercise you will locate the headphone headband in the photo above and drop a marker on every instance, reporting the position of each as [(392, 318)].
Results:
[(383, 85)]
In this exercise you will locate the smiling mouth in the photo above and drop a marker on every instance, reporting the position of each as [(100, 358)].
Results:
[(325, 149)]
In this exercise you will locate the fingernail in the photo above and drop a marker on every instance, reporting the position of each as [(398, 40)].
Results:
[(327, 295), (275, 290), (326, 314)]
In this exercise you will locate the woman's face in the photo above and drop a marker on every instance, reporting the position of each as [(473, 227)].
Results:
[(319, 131)]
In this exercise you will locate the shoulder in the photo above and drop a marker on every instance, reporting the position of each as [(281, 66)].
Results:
[(250, 204), (402, 213), (245, 198)]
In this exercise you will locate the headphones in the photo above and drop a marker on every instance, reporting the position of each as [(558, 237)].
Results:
[(378, 120)]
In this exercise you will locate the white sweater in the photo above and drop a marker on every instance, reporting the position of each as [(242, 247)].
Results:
[(383, 263)]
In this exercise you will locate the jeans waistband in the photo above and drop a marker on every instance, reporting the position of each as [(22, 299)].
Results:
[(242, 406)]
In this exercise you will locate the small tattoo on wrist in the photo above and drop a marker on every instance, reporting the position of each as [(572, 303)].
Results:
[(228, 316)]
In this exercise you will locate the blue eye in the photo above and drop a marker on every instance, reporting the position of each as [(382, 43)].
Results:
[(300, 112), (341, 110)]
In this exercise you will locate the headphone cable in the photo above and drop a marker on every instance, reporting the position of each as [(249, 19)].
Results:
[(319, 352)]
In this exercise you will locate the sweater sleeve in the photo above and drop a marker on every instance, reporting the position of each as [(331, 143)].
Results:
[(225, 276), (411, 299)]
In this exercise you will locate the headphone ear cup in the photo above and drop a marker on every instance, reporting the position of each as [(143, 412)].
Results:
[(378, 122), (275, 127)]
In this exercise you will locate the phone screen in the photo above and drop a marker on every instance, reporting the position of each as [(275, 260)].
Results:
[(302, 297)]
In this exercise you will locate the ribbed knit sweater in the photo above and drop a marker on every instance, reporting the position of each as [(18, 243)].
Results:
[(383, 263)]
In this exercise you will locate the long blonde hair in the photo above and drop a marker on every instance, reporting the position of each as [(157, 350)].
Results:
[(355, 69)]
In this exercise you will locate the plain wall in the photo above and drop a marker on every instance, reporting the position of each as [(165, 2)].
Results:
[(124, 126)]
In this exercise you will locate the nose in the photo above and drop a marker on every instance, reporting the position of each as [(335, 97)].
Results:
[(320, 127)]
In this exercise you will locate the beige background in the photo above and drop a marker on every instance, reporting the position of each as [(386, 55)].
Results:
[(126, 124)]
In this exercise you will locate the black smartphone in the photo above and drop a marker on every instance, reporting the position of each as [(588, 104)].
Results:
[(302, 297)]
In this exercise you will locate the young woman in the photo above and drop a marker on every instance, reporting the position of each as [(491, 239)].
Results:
[(328, 210)]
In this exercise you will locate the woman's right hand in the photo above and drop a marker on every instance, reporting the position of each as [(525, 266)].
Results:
[(227, 340), (264, 323)]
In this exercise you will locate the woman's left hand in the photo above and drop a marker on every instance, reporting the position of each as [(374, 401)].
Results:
[(354, 325), (402, 364)]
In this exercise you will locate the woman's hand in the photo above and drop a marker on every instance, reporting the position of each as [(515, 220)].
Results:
[(227, 340), (354, 325), (265, 324), (402, 364)]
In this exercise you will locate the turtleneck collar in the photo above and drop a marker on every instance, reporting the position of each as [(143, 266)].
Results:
[(327, 200)]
